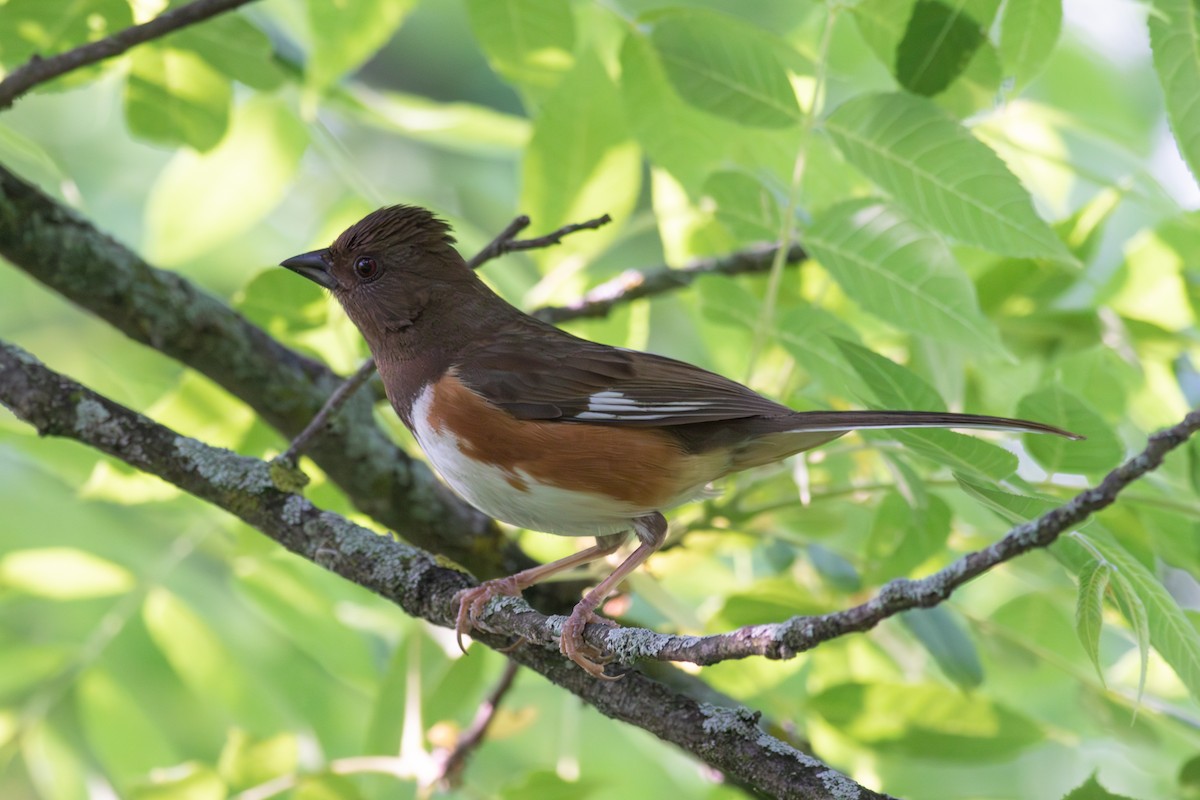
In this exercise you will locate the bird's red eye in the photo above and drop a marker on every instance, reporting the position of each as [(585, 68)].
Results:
[(366, 268)]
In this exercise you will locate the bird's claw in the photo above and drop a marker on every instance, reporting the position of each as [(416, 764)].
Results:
[(571, 643), (471, 603)]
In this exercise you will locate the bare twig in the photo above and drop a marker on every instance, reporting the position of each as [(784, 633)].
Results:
[(340, 395), (728, 739), (456, 760), (39, 70), (634, 285), (495, 248), (507, 242)]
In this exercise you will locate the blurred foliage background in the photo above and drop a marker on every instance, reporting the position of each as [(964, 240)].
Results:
[(152, 647)]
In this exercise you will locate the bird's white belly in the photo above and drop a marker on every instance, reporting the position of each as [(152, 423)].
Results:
[(512, 495)]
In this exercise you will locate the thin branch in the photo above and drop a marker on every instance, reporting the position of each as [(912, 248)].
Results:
[(455, 761), (507, 242), (727, 738), (39, 70), (336, 400), (495, 248), (634, 285)]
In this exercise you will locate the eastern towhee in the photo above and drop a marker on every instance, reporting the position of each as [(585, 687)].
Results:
[(547, 431)]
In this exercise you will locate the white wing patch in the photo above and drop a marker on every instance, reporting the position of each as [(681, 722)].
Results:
[(611, 404)]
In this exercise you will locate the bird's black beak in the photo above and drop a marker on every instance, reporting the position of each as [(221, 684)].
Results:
[(313, 266)]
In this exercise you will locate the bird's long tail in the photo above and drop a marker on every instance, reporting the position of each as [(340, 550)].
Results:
[(804, 430), (843, 421)]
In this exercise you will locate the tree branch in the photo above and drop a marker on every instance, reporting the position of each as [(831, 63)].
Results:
[(39, 70), (634, 285), (728, 739)]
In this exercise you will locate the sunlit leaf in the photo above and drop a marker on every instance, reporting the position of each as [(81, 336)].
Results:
[(527, 41), (201, 201), (726, 67), (926, 721), (1028, 32), (580, 162), (941, 174), (1175, 42), (940, 633), (744, 205), (175, 97), (63, 573), (900, 272), (345, 34)]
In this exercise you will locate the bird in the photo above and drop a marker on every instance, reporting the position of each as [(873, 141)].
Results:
[(550, 432)]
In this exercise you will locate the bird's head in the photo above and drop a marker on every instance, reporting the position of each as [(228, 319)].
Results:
[(392, 271)]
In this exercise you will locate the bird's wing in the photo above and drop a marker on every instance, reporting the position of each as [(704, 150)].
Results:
[(544, 373)]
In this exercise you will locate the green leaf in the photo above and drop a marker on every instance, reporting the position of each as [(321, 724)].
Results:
[(457, 127), (903, 538), (47, 28), (900, 272), (233, 45), (202, 201), (1092, 790), (769, 600), (581, 162), (1028, 32), (201, 660), (120, 731), (526, 41), (940, 633), (744, 205), (723, 66), (175, 97), (1135, 611), (809, 334), (834, 569), (679, 138), (1175, 42), (938, 43), (1012, 508), (345, 33), (882, 24), (1089, 610), (926, 721), (1170, 630), (281, 305), (1058, 406), (941, 174)]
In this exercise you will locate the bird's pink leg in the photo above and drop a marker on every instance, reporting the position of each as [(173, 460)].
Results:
[(471, 602), (651, 531)]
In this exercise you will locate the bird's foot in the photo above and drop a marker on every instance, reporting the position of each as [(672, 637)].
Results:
[(471, 603), (589, 657)]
